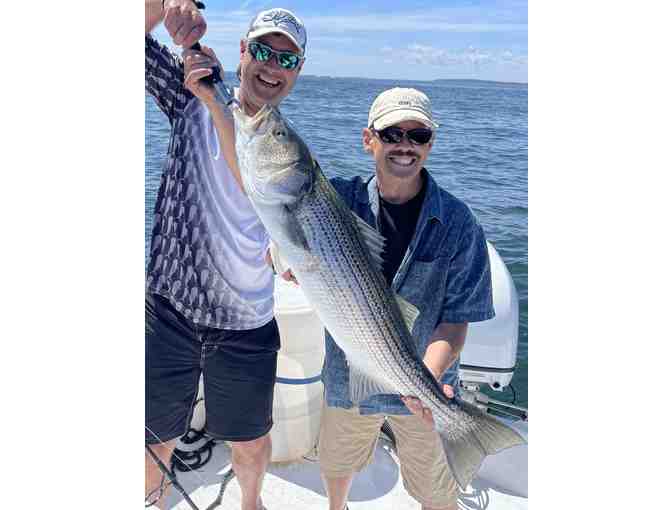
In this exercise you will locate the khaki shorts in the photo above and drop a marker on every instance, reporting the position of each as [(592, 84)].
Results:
[(348, 440)]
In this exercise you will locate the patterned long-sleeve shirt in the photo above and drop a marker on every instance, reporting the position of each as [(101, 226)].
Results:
[(208, 245)]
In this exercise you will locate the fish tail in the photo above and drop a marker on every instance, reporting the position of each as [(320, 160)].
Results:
[(466, 451)]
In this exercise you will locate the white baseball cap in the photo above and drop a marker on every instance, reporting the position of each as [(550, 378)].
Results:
[(280, 21), (398, 105)]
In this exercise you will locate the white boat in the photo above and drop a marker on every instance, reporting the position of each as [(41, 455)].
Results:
[(293, 479)]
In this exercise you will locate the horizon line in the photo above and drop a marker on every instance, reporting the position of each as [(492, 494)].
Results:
[(403, 79)]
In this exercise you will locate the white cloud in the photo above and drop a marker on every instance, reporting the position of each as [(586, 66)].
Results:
[(459, 19), (251, 7), (436, 20), (421, 54), (403, 24), (463, 20), (370, 44)]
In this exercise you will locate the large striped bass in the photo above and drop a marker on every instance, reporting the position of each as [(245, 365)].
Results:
[(336, 258)]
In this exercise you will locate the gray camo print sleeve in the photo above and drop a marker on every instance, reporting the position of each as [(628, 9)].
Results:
[(164, 78)]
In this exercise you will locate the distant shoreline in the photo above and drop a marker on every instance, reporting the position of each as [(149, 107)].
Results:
[(455, 81), (465, 81), (473, 80), (435, 80)]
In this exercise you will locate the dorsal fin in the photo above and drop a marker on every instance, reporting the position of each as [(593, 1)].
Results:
[(373, 240), (408, 312)]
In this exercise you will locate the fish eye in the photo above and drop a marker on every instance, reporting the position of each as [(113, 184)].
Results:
[(280, 133)]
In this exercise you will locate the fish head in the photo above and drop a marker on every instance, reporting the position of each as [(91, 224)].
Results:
[(275, 163)]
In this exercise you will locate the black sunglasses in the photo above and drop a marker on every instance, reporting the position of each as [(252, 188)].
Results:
[(286, 59), (393, 134)]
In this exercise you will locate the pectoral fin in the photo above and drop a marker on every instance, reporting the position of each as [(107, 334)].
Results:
[(408, 312), (374, 241), (362, 385), (294, 231), (297, 238)]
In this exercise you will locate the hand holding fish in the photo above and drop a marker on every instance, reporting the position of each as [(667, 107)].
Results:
[(289, 277), (415, 406), (279, 264), (184, 22)]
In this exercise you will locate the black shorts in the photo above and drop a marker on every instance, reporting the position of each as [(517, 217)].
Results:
[(238, 376)]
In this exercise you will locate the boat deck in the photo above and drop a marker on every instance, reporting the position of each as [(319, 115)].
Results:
[(501, 484)]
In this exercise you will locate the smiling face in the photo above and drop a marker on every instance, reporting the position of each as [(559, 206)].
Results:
[(402, 160), (265, 82)]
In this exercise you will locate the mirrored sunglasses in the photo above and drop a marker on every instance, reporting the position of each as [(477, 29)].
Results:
[(262, 53)]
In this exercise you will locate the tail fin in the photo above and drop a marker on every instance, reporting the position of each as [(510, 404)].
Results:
[(465, 453)]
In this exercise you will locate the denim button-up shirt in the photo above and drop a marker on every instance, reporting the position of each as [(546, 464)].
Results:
[(445, 274)]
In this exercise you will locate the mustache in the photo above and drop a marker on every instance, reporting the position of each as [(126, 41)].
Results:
[(406, 153)]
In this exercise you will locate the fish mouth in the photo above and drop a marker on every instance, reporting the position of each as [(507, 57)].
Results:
[(264, 114), (284, 184), (255, 125), (280, 172), (284, 171)]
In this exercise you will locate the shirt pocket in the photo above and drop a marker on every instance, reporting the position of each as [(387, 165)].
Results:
[(425, 279), (436, 243)]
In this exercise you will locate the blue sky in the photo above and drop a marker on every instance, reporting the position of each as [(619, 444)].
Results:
[(426, 40)]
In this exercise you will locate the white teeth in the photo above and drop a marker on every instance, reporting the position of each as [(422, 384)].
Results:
[(402, 160), (268, 80)]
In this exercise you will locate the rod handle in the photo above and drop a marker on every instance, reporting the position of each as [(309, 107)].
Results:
[(213, 78)]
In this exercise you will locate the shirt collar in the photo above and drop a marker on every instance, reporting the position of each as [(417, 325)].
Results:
[(431, 207)]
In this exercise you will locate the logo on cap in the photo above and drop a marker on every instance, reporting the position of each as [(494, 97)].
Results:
[(279, 17)]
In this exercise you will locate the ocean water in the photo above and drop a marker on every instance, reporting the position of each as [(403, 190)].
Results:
[(479, 155)]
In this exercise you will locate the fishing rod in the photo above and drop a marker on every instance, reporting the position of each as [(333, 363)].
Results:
[(173, 479), (223, 92), (228, 476), (170, 474)]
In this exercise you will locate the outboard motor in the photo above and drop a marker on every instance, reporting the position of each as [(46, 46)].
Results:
[(489, 354)]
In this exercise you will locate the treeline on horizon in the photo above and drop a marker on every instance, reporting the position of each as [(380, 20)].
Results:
[(229, 75)]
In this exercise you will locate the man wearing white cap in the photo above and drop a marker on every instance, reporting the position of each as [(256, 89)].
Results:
[(209, 290), (435, 258), (271, 58)]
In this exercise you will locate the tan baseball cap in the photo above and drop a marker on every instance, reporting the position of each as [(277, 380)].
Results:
[(398, 105), (279, 21)]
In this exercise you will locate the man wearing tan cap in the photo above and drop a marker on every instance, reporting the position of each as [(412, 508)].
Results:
[(435, 258), (209, 290)]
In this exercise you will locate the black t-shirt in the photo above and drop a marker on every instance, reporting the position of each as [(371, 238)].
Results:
[(397, 222)]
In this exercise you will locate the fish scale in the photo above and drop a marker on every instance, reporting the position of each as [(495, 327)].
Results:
[(354, 298), (330, 254)]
